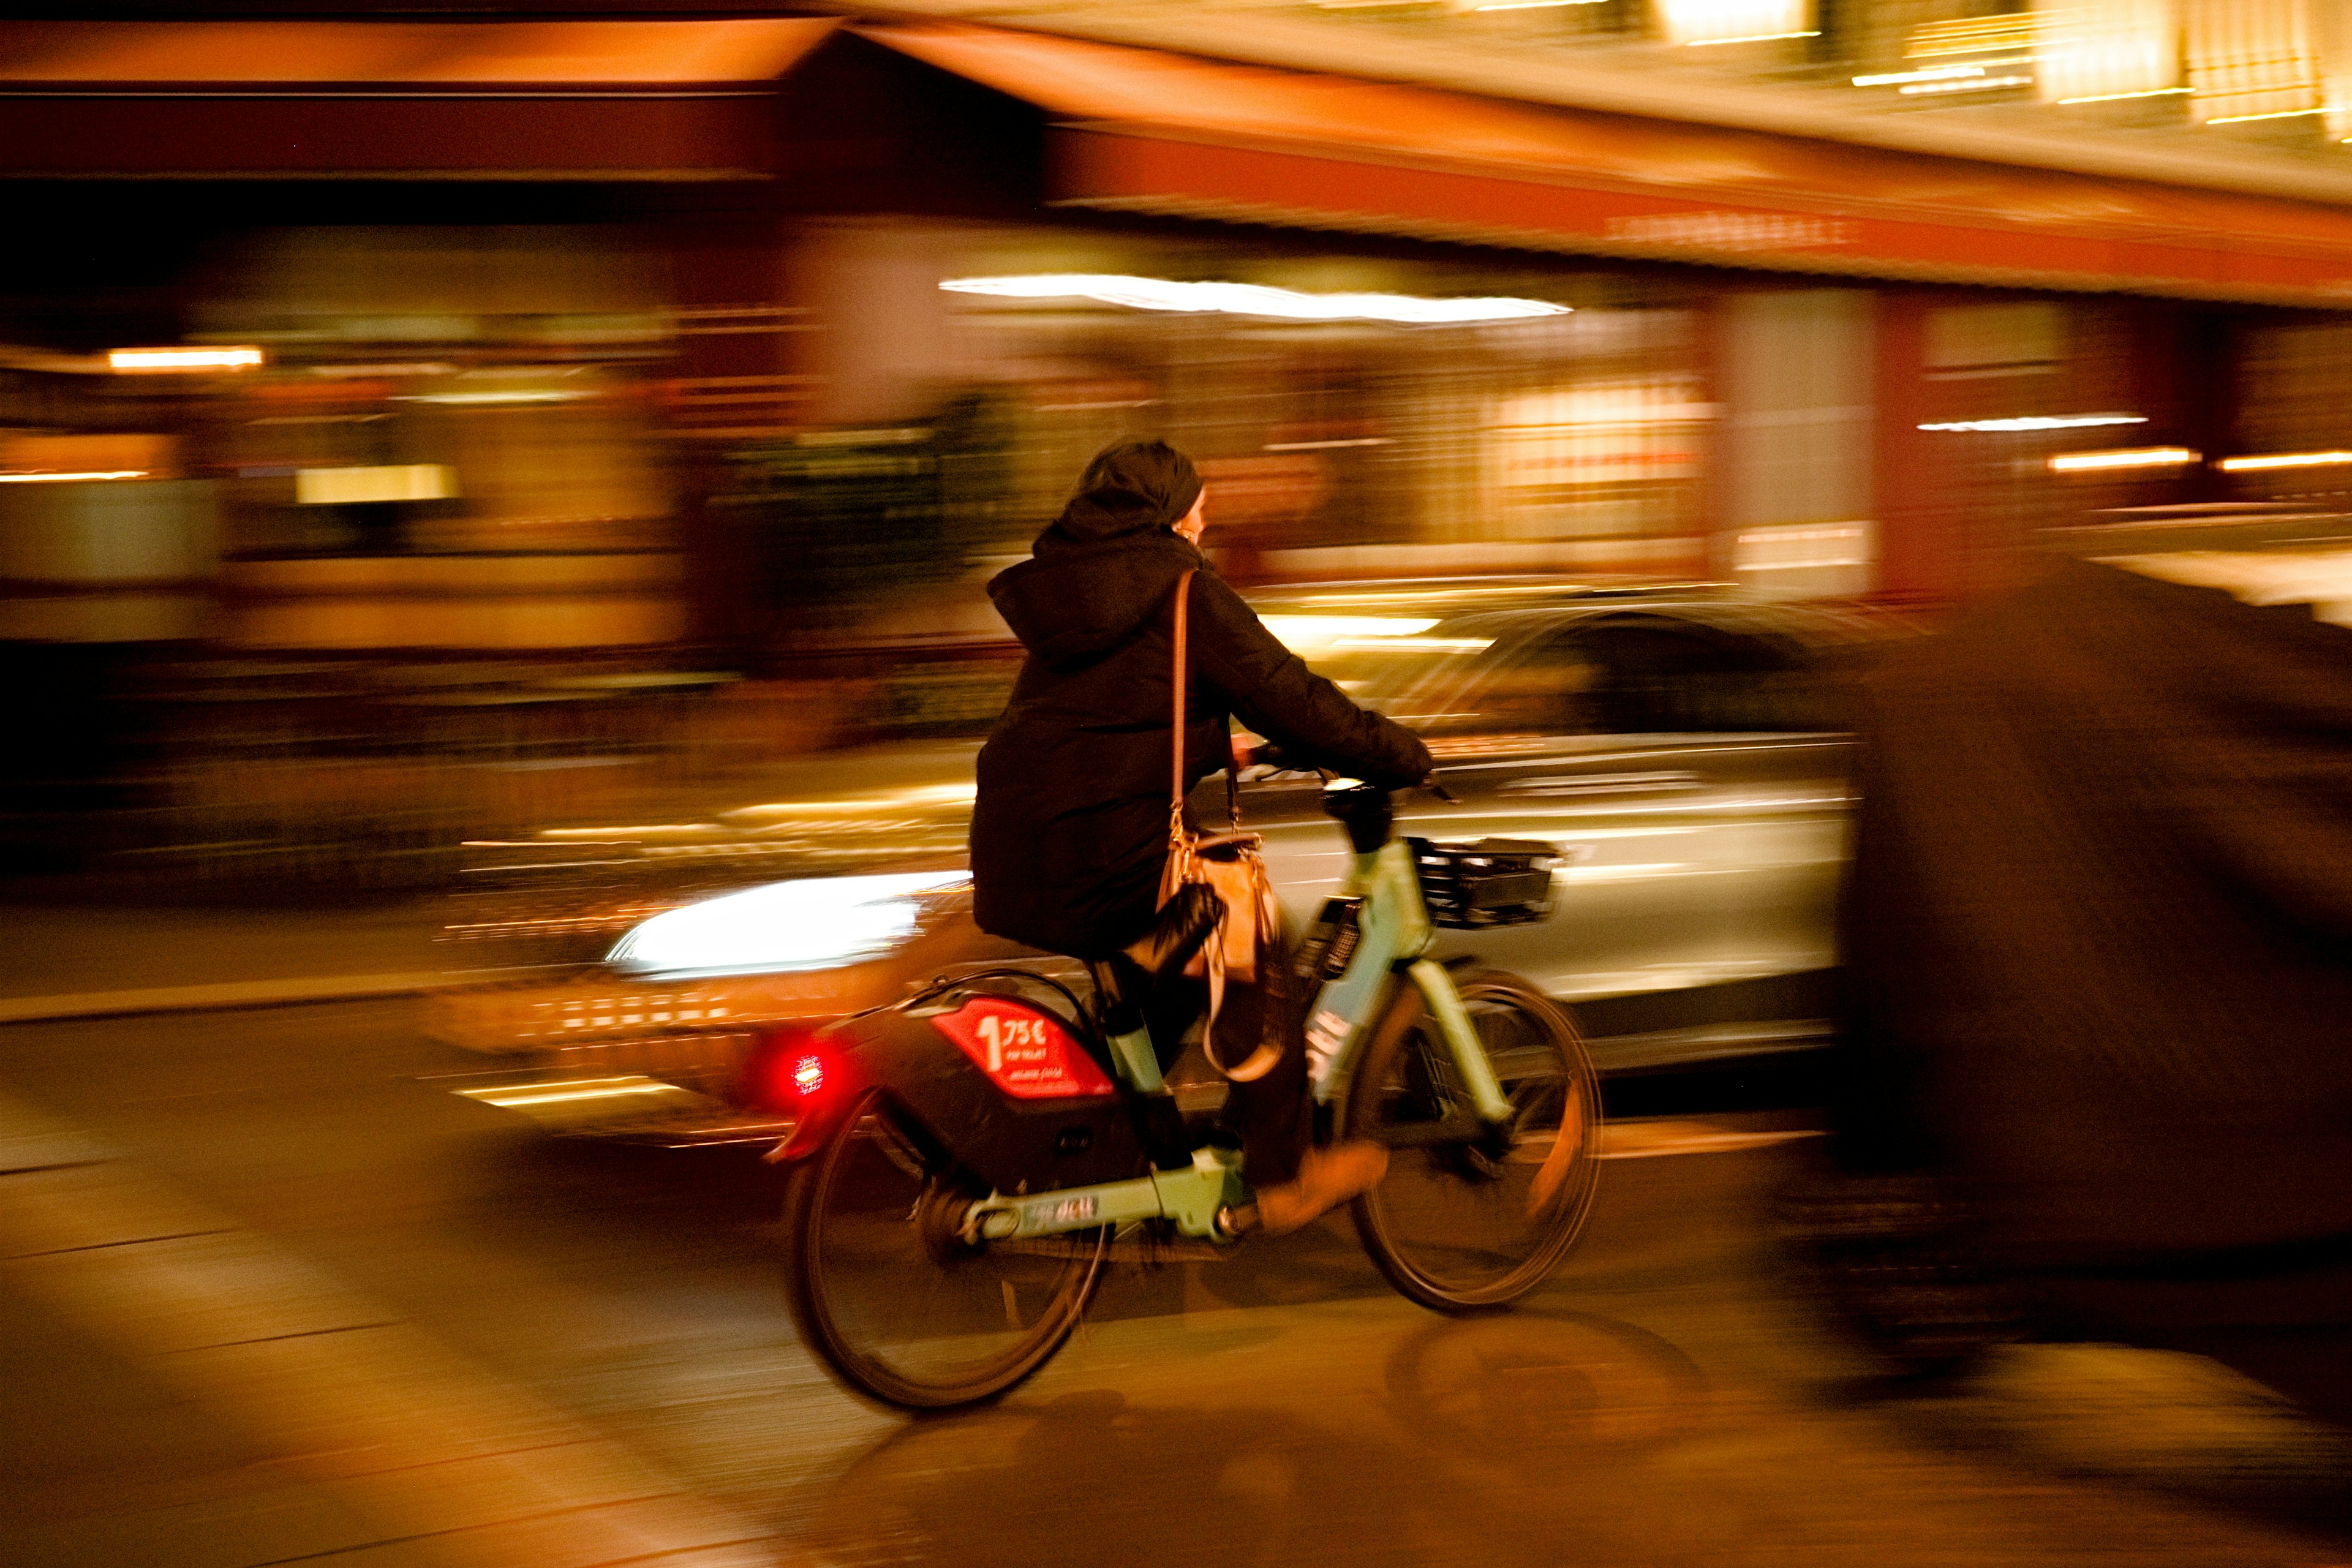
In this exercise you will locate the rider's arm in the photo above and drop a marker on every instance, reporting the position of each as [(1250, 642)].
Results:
[(1272, 692)]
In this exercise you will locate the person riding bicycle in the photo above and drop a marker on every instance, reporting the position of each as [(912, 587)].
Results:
[(1069, 831)]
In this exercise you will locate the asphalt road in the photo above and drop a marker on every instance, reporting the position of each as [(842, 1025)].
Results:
[(455, 1337)]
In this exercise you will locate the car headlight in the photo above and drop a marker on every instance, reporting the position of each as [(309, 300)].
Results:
[(823, 923)]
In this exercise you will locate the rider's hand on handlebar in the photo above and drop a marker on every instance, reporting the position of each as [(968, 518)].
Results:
[(1266, 758)]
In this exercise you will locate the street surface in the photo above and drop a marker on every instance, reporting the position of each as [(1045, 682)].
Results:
[(464, 1342)]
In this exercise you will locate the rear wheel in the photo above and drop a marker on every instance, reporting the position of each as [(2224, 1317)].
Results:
[(890, 1294), (1470, 1216)]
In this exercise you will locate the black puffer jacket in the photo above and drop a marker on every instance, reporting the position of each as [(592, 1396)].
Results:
[(1070, 828)]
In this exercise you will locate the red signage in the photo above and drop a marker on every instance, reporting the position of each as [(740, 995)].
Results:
[(1026, 1053)]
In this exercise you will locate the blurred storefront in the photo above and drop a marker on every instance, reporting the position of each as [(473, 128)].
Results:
[(751, 262), (615, 357), (1979, 351)]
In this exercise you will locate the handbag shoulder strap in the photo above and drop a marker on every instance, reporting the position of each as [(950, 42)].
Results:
[(1179, 683), (1176, 723)]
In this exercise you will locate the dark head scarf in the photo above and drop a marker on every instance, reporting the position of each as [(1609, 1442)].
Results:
[(1130, 488)]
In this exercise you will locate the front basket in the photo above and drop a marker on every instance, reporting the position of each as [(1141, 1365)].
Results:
[(1494, 882)]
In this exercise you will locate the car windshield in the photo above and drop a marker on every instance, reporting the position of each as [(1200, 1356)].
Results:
[(1443, 660), (1528, 663)]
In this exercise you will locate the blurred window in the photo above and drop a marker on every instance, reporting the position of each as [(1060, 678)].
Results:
[(1654, 676), (1642, 674)]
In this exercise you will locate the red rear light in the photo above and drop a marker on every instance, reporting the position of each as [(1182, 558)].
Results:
[(786, 1072)]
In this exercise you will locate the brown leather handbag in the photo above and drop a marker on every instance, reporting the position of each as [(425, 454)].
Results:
[(1233, 866)]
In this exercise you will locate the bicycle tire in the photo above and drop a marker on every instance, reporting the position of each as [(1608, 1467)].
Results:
[(1473, 1223), (886, 1296)]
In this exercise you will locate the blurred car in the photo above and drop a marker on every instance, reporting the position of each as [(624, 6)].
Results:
[(1683, 748)]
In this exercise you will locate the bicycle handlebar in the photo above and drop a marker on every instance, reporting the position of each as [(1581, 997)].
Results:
[(1266, 755)]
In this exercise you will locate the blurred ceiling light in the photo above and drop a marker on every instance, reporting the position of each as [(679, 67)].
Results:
[(354, 487), (1988, 84), (1253, 299), (1751, 38), (1416, 643), (2039, 422), (2119, 97), (397, 367), (516, 395), (2284, 460), (136, 360), (1306, 635), (1932, 73), (2278, 114), (2125, 457), (73, 478)]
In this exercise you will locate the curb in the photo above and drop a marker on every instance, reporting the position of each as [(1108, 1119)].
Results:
[(209, 998)]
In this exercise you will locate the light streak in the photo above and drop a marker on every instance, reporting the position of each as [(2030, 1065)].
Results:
[(480, 399), (134, 360), (1985, 86), (2246, 118), (1299, 633), (2284, 460), (2039, 422), (1253, 300), (2125, 457), (1933, 73), (2119, 97)]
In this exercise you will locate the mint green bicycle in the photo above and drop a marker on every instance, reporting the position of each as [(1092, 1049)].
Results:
[(962, 1162)]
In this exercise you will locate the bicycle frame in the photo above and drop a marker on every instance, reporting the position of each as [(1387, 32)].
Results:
[(1393, 936), (1393, 940)]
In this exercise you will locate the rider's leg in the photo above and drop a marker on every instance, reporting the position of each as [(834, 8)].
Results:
[(1294, 1182), (1271, 1114), (1165, 1007), (1169, 1005)]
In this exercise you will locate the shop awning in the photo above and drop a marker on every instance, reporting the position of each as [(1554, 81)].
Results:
[(403, 101), (1126, 129), (1139, 130)]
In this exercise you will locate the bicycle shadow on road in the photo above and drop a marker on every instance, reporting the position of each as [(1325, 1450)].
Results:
[(1322, 1263), (1457, 1454), (725, 1204)]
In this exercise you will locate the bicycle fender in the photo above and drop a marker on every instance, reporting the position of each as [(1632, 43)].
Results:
[(1059, 1134)]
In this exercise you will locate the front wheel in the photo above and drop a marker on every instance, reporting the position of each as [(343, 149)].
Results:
[(890, 1295), (1471, 1215)]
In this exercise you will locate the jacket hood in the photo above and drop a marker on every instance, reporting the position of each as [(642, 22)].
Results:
[(1132, 488), (1108, 560), (1080, 600)]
